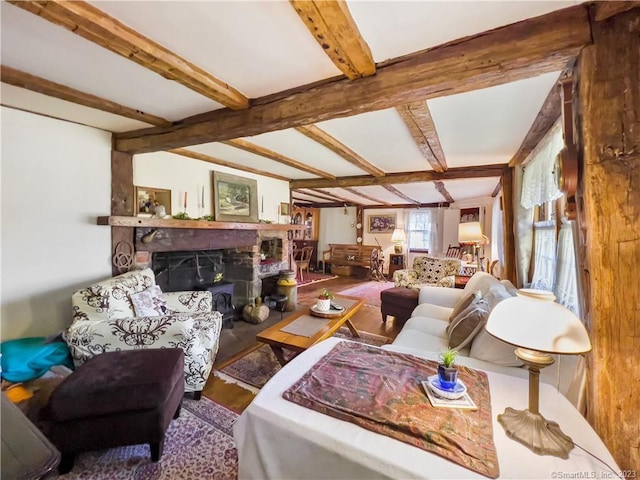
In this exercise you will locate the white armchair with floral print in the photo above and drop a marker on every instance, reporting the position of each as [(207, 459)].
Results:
[(105, 320), (428, 271)]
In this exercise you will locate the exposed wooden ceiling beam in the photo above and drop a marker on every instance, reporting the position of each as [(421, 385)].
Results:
[(216, 161), (333, 27), (296, 197), (417, 118), (96, 26), (334, 196), (277, 157), (513, 52), (402, 205), (496, 190), (443, 191), (481, 171), (604, 10), (333, 144), (25, 80), (363, 195), (397, 192), (547, 116), (314, 194)]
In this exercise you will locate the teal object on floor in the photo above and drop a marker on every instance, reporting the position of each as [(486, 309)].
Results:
[(24, 359)]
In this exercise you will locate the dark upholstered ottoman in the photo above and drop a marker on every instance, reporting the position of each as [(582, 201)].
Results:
[(115, 399), (398, 302)]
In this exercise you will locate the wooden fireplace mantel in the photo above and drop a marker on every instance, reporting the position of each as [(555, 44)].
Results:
[(125, 221)]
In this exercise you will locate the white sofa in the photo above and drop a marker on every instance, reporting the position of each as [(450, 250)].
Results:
[(425, 334)]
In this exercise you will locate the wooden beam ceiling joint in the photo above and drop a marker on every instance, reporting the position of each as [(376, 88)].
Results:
[(323, 138), (397, 192), (96, 26), (482, 171), (217, 161), (333, 27), (30, 82), (365, 196), (417, 118), (514, 52), (443, 191), (277, 157)]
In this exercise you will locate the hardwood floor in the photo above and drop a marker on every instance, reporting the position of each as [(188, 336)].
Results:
[(367, 319)]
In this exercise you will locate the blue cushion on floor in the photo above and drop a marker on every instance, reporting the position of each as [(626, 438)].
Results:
[(24, 359)]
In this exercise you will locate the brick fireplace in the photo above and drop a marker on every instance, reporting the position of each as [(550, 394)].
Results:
[(189, 259)]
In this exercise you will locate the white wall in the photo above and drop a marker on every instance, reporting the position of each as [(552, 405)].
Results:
[(56, 179), (181, 174), (336, 227)]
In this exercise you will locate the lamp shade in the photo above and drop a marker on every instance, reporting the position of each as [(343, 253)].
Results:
[(398, 236), (470, 232), (538, 324)]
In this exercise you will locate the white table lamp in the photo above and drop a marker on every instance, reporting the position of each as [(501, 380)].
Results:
[(398, 237), (470, 233), (538, 326)]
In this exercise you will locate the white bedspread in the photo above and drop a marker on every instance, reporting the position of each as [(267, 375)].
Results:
[(277, 439)]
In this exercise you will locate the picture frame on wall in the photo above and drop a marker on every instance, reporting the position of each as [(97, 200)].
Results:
[(382, 223), (235, 198), (148, 199), (469, 215)]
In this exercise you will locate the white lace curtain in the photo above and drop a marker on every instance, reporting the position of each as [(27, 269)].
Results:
[(544, 269), (566, 281), (538, 182)]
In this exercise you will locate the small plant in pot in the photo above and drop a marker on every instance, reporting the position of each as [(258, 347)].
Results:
[(324, 300), (447, 369)]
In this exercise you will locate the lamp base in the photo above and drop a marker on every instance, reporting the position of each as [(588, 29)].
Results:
[(532, 430), (397, 248)]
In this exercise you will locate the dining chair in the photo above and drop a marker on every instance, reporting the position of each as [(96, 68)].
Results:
[(454, 252), (303, 260)]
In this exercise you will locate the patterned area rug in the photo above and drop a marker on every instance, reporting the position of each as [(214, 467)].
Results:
[(313, 277), (259, 365), (370, 291), (198, 445)]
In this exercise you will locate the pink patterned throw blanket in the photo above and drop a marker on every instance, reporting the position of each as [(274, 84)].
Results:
[(380, 391)]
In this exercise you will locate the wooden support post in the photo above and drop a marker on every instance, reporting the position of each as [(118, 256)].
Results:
[(509, 270), (609, 203), (122, 198)]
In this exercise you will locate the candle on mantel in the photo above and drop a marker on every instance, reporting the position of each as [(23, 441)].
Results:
[(185, 200), (262, 209), (202, 197)]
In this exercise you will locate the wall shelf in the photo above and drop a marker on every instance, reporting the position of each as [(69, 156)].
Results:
[(125, 221)]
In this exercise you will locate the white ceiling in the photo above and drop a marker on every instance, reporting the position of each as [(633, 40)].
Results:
[(262, 47)]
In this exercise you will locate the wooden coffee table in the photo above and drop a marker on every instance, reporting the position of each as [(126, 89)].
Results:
[(279, 340)]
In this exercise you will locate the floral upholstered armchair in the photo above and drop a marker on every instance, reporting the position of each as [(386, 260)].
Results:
[(129, 312), (428, 271)]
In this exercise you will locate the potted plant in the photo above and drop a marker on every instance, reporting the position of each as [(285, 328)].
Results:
[(447, 369), (324, 300)]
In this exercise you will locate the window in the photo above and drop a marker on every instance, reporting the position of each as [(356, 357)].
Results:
[(544, 256), (423, 231), (553, 257)]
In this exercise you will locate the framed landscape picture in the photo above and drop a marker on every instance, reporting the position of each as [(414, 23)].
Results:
[(382, 223), (235, 199)]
